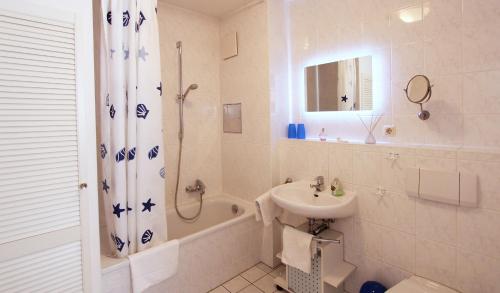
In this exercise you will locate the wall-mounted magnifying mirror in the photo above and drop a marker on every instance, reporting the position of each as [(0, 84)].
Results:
[(344, 85), (419, 91)]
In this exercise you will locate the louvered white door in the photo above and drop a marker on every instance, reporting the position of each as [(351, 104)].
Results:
[(41, 243)]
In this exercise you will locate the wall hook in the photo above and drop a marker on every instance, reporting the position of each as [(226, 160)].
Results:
[(392, 156), (380, 191)]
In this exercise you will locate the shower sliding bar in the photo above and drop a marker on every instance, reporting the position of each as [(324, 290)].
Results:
[(179, 56)]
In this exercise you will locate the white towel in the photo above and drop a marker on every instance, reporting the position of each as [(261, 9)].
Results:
[(154, 265), (297, 249), (266, 209)]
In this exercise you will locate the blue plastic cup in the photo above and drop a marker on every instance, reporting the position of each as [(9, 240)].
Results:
[(292, 131), (301, 131)]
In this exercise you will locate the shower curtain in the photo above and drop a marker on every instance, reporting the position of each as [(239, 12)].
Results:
[(131, 151)]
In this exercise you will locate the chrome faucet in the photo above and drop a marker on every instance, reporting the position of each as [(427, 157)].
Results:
[(198, 186), (320, 183)]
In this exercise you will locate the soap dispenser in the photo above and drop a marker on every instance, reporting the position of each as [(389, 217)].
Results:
[(336, 188)]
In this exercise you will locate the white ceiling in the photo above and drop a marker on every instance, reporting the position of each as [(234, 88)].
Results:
[(216, 8)]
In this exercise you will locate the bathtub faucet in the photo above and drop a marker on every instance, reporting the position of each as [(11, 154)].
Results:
[(198, 186)]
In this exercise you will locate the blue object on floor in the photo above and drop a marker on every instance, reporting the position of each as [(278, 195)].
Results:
[(372, 287)]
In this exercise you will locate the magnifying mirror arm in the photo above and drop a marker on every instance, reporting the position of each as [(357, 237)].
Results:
[(424, 114)]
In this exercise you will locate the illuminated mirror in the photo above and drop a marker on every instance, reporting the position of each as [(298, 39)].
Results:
[(344, 85)]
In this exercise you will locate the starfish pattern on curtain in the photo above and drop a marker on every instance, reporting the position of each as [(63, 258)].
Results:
[(132, 155)]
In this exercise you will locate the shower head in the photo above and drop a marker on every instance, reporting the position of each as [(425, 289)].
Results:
[(191, 87)]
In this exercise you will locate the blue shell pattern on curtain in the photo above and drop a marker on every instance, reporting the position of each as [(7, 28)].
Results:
[(131, 152)]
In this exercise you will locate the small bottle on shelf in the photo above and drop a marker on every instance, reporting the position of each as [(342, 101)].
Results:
[(322, 135)]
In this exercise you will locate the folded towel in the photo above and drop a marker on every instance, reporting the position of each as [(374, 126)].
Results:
[(154, 265), (297, 249), (266, 209)]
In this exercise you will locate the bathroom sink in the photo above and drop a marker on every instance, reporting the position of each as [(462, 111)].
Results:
[(299, 198)]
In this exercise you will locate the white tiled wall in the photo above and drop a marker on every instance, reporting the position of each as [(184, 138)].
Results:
[(390, 237), (278, 77), (394, 236), (455, 45), (202, 143), (246, 159)]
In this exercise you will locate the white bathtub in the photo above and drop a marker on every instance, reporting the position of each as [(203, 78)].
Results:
[(220, 245)]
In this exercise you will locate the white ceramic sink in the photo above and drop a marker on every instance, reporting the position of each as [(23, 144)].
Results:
[(299, 198)]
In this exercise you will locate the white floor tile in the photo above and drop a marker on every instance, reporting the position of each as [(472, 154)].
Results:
[(264, 267), (219, 289), (250, 289), (236, 284), (253, 274), (266, 284), (279, 271)]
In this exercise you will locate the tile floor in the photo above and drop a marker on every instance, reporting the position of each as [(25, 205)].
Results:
[(257, 279)]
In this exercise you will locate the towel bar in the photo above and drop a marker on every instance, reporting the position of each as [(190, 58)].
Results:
[(318, 239)]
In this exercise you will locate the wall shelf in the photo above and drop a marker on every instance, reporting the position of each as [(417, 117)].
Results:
[(340, 274)]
